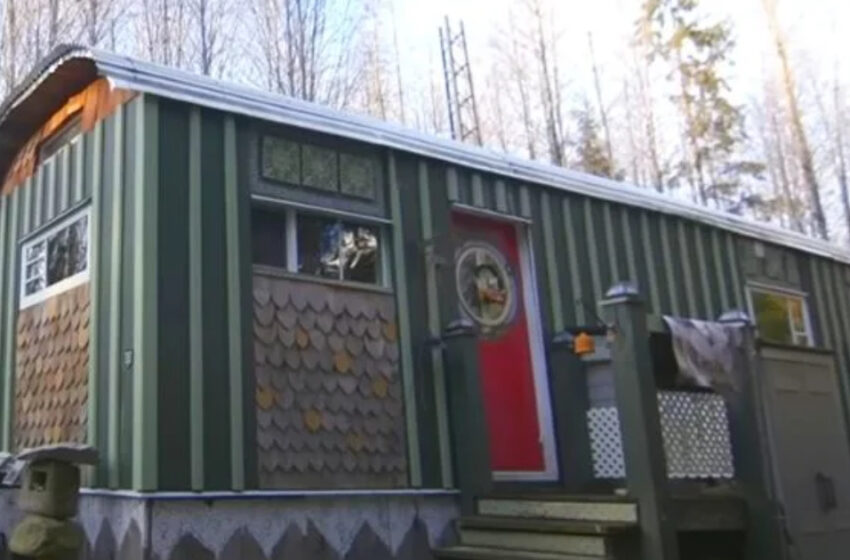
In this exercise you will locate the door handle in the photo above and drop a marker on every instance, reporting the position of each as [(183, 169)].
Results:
[(825, 488)]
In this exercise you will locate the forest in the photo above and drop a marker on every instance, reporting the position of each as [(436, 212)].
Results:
[(745, 110)]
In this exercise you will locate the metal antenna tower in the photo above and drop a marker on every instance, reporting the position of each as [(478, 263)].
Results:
[(460, 92)]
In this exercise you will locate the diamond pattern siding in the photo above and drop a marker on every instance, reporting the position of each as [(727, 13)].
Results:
[(51, 383), (328, 397)]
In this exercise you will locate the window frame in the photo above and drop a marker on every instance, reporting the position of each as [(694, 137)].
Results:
[(788, 293), (68, 133), (68, 283), (290, 211)]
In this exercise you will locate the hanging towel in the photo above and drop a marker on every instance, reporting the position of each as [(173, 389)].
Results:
[(708, 354)]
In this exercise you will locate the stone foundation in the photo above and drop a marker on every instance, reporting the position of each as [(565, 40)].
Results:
[(356, 526)]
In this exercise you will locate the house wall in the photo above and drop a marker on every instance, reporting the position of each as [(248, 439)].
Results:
[(99, 170), (172, 390)]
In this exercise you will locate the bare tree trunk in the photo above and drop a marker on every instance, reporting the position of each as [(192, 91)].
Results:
[(803, 151), (603, 113), (637, 179), (642, 61), (12, 38)]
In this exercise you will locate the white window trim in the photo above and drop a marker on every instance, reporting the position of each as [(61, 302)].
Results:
[(788, 292), (291, 212), (66, 283)]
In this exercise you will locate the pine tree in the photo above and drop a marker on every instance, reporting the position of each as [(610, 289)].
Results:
[(591, 153), (698, 54)]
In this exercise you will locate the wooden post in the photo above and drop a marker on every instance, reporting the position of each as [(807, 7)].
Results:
[(470, 440), (751, 450), (569, 394), (637, 404)]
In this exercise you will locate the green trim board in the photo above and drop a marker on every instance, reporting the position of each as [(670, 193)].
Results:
[(146, 320), (235, 291), (593, 253), (685, 259), (196, 303), (7, 273), (97, 245), (414, 459), (115, 301), (12, 205), (570, 231), (432, 298), (611, 245), (551, 262)]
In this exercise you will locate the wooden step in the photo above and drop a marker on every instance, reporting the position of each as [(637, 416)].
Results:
[(607, 528), (595, 546), (570, 508), (484, 553)]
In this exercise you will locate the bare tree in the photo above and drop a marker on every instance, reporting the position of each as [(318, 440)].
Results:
[(304, 52), (99, 18), (804, 153), (597, 86), (833, 121), (211, 26), (163, 31)]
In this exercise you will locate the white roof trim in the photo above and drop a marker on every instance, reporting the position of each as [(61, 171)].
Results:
[(204, 91)]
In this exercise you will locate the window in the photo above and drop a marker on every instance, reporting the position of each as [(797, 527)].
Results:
[(316, 167), (60, 138), (269, 237), (56, 260), (781, 316), (317, 245)]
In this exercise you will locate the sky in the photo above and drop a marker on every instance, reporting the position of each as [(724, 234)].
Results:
[(815, 28)]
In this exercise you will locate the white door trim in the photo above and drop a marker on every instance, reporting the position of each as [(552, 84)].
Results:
[(538, 365)]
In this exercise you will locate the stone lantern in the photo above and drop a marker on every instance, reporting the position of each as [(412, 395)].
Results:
[(48, 496)]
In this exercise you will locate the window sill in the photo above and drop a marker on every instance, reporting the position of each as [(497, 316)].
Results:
[(345, 284)]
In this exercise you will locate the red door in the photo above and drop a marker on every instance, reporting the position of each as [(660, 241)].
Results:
[(489, 277)]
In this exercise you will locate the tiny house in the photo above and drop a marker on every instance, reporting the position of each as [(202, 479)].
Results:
[(293, 331)]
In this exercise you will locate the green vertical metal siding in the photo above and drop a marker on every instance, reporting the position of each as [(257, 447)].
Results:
[(174, 421), (216, 431)]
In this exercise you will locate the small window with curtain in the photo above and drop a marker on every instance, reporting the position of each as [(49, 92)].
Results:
[(781, 316)]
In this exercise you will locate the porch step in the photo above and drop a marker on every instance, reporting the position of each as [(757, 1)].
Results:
[(547, 527), (569, 508), (483, 553), (609, 528)]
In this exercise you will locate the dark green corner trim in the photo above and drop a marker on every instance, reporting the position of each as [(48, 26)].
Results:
[(432, 296), (414, 462)]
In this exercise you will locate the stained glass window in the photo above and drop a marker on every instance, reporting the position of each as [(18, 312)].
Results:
[(320, 167), (357, 176), (281, 160)]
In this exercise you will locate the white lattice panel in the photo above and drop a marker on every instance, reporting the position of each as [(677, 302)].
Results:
[(606, 444), (694, 428)]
